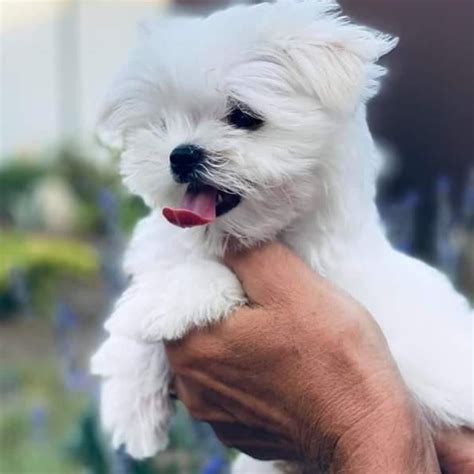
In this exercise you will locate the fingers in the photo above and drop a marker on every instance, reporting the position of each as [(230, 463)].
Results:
[(202, 346), (267, 273), (194, 398), (455, 450), (257, 443)]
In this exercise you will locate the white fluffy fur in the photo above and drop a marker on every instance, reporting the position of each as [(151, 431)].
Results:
[(308, 179)]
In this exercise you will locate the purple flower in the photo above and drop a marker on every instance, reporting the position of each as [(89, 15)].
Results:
[(215, 465)]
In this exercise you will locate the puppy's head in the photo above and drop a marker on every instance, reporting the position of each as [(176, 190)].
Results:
[(228, 121)]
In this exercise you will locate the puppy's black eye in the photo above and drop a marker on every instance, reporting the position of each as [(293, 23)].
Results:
[(241, 117)]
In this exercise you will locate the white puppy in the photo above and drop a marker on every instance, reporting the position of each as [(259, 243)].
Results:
[(251, 124)]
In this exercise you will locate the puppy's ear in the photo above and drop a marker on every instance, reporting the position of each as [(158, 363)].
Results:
[(128, 105), (110, 127), (336, 61)]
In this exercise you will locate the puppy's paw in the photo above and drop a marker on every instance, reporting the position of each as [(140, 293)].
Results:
[(134, 420), (195, 296), (135, 406)]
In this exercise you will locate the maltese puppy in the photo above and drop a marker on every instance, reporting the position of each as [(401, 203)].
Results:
[(250, 124)]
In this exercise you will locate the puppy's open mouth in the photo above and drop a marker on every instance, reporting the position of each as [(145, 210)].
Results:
[(201, 205)]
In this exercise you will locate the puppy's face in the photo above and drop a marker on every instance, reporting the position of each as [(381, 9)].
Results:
[(228, 122)]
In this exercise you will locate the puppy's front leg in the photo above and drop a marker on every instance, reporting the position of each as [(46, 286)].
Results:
[(135, 407), (170, 303), (159, 305)]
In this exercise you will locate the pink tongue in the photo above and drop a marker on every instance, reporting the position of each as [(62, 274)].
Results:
[(197, 208)]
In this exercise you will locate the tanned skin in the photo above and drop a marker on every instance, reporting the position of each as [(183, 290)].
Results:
[(304, 373)]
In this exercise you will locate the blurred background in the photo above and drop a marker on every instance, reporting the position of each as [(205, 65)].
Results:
[(64, 217)]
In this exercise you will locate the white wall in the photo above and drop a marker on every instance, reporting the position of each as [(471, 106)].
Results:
[(52, 80)]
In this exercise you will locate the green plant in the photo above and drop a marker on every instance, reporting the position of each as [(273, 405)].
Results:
[(41, 261), (17, 178), (45, 255)]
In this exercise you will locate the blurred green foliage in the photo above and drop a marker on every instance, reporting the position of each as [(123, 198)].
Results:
[(85, 178), (41, 261), (16, 179), (28, 246), (45, 255), (24, 447)]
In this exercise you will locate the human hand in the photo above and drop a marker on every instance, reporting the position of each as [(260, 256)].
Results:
[(301, 373), (455, 449)]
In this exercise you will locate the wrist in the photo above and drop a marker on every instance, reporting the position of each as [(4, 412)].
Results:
[(394, 438)]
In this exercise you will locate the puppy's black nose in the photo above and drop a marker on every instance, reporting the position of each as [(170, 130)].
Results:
[(184, 160)]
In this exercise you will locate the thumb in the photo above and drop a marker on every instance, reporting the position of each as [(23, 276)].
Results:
[(267, 273)]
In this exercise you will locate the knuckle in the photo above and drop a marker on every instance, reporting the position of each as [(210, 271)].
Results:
[(196, 406), (183, 356), (196, 351)]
